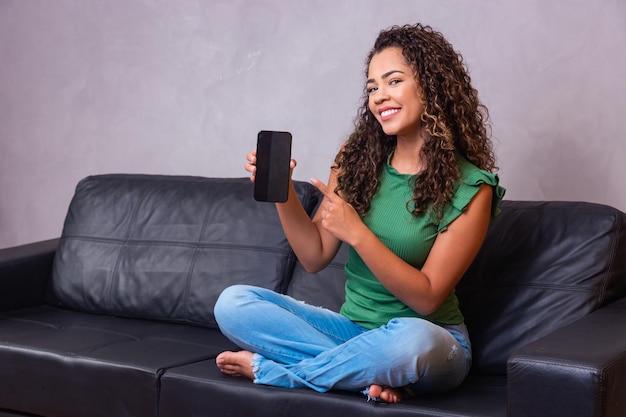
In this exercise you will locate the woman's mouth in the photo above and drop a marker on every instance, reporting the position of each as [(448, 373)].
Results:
[(388, 113)]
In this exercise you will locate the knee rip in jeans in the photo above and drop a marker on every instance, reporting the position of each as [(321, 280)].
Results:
[(453, 352)]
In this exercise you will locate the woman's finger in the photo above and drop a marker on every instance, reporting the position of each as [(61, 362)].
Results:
[(323, 188), (250, 166)]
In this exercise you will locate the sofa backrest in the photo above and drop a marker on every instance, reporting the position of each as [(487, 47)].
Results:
[(542, 266), (164, 247), (325, 288)]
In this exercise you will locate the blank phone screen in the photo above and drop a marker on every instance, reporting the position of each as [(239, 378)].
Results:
[(273, 156)]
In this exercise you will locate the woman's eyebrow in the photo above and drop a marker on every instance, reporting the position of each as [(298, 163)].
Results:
[(385, 75)]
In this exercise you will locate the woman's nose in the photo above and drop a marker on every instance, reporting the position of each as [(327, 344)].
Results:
[(381, 96)]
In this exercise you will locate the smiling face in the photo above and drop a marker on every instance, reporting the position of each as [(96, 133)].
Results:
[(395, 97)]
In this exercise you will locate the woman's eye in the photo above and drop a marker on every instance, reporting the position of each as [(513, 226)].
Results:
[(370, 90), (394, 81)]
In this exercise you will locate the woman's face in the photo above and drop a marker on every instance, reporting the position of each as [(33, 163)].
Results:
[(395, 98)]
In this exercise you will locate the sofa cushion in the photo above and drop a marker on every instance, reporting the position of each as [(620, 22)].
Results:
[(194, 389), (164, 247), (58, 362), (543, 265)]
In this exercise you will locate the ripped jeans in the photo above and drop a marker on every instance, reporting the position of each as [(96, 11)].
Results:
[(297, 345)]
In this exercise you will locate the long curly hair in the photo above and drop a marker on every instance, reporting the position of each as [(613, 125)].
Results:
[(454, 119)]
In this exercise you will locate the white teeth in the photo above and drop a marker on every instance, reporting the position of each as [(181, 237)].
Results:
[(389, 112)]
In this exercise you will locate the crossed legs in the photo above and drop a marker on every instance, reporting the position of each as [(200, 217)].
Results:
[(288, 343)]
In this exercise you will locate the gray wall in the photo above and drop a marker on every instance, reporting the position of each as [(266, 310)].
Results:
[(182, 87)]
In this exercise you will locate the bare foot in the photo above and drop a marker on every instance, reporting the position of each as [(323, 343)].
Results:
[(386, 394), (236, 363)]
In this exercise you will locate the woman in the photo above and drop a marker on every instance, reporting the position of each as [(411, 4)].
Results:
[(412, 192)]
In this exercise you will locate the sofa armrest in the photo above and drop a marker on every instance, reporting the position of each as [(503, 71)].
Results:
[(24, 274), (578, 370)]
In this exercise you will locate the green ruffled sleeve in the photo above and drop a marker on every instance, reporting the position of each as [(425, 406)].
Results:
[(472, 178)]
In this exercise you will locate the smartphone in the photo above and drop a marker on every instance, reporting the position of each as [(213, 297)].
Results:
[(273, 156)]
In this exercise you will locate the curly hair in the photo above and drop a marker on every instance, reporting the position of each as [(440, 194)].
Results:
[(454, 119)]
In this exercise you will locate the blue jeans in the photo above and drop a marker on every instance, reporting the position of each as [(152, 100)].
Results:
[(297, 345)]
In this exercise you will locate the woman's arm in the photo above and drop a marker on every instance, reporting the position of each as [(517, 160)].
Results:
[(452, 253), (314, 246)]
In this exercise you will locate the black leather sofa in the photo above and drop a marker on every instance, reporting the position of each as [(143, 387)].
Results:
[(115, 318)]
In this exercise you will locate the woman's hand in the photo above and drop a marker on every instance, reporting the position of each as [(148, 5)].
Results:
[(251, 165), (339, 218)]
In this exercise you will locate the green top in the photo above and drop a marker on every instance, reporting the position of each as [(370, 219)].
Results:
[(367, 302)]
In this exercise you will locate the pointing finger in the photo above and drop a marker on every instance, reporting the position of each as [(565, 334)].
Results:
[(323, 188)]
